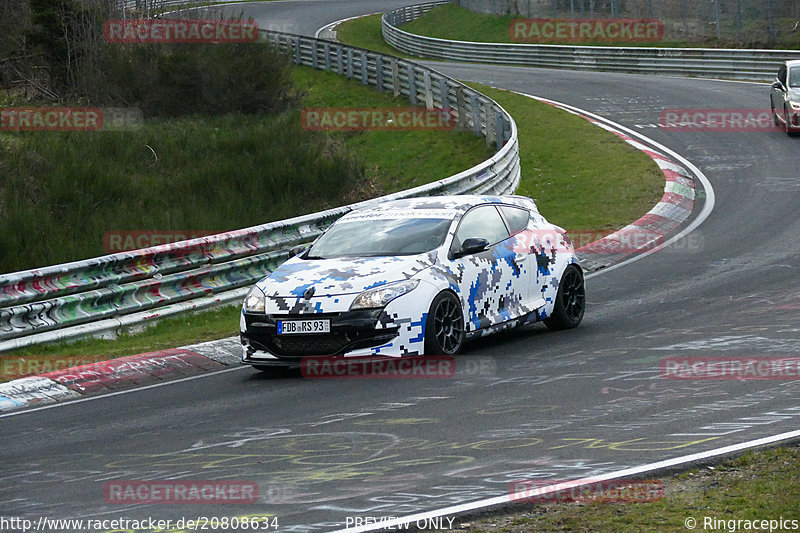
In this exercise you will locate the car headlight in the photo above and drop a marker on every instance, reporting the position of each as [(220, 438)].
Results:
[(795, 105), (381, 296), (254, 301)]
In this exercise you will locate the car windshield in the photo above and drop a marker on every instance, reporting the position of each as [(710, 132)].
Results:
[(794, 77), (381, 237)]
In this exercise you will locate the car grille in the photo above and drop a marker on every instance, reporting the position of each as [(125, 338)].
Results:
[(345, 336), (307, 345)]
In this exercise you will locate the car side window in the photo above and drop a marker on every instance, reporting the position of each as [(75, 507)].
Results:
[(481, 223), (516, 217), (782, 74), (794, 77)]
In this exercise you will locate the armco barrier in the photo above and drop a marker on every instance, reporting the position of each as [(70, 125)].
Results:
[(755, 65), (97, 295)]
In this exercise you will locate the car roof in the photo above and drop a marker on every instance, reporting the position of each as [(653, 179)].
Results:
[(793, 63), (459, 202)]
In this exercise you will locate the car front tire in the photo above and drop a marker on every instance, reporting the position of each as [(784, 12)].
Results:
[(444, 329), (786, 127), (775, 120), (570, 301)]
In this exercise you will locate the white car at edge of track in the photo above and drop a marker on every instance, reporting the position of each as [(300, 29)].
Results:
[(412, 277)]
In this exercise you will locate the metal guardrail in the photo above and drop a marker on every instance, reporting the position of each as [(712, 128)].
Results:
[(754, 65), (97, 295)]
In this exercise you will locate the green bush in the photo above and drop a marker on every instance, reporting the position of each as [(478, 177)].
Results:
[(61, 192), (163, 80), (189, 79)]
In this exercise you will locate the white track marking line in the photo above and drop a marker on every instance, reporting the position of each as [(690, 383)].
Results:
[(627, 472), (127, 391)]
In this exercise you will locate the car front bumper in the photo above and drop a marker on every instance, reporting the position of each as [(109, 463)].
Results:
[(350, 331)]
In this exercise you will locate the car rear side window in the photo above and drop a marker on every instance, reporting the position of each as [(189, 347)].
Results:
[(516, 217), (481, 223)]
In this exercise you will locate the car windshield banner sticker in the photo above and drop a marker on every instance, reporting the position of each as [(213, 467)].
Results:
[(399, 213)]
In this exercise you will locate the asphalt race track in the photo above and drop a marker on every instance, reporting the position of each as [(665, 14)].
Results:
[(529, 404)]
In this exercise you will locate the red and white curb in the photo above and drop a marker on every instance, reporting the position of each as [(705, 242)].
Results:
[(118, 374), (649, 232)]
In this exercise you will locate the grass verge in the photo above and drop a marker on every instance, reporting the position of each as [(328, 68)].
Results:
[(759, 485), (393, 160), (365, 32), (582, 177), (454, 22)]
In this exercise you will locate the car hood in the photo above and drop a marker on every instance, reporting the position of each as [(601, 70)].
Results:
[(794, 95), (344, 275)]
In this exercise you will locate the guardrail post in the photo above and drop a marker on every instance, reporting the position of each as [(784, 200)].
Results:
[(314, 54), (445, 93), (428, 92), (379, 72), (412, 84), (327, 51), (364, 72), (349, 62), (297, 58), (491, 131), (476, 115), (339, 67), (499, 129), (461, 107), (395, 78)]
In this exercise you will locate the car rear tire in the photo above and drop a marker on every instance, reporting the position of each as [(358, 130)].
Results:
[(444, 329), (570, 301)]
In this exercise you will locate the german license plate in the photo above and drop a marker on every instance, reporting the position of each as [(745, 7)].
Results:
[(303, 327)]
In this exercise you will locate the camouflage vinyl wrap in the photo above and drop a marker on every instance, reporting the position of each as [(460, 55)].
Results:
[(511, 283)]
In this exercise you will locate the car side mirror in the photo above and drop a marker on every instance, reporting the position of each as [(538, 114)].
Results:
[(472, 246), (298, 250), (777, 85)]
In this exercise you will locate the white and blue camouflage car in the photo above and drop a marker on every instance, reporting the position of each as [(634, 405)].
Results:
[(412, 277)]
